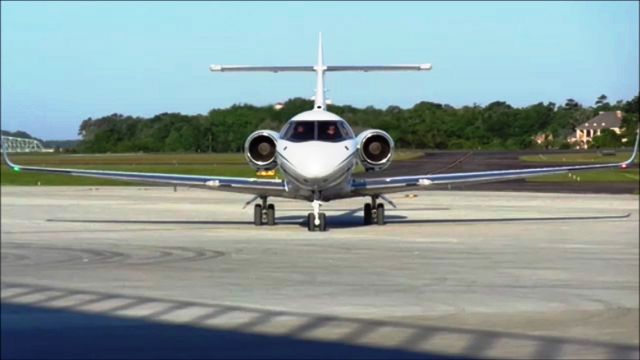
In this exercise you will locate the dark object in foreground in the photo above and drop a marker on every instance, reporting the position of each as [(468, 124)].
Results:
[(31, 332)]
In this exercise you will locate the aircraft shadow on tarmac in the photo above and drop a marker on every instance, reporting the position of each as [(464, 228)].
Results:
[(352, 218), (63, 325)]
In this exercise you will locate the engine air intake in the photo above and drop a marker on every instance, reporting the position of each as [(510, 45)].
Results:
[(375, 149), (260, 150)]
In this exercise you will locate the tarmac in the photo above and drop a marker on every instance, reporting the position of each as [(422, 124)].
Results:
[(139, 271)]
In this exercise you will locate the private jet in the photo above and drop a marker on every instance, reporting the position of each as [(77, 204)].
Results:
[(316, 152)]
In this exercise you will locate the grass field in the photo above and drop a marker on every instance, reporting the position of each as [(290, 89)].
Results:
[(233, 164), (610, 175), (190, 164), (587, 158)]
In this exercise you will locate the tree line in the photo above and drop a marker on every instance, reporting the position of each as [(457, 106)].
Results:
[(426, 125)]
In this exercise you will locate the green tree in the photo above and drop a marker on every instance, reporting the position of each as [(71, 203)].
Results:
[(607, 139), (601, 100), (427, 125), (572, 104)]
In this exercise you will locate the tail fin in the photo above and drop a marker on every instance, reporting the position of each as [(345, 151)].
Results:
[(319, 102)]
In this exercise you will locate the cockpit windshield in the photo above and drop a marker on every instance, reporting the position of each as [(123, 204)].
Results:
[(331, 131)]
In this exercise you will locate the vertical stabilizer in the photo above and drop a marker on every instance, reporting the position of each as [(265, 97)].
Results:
[(319, 103)]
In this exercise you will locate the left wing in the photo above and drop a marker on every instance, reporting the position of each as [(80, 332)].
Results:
[(260, 187), (377, 186)]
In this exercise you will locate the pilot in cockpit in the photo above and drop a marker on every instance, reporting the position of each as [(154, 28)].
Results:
[(331, 131)]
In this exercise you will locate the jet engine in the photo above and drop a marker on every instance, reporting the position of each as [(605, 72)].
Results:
[(375, 149), (260, 149)]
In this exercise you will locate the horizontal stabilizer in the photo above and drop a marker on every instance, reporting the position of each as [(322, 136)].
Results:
[(366, 68), (320, 69), (275, 69), (309, 68)]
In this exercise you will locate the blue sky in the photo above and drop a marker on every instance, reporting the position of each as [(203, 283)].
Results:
[(63, 62)]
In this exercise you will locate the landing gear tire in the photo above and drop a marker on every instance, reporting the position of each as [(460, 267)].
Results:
[(271, 215), (257, 215), (311, 222), (264, 215), (380, 214), (323, 222), (368, 214)]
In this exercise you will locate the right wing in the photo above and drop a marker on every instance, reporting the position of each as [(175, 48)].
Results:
[(260, 187), (378, 186)]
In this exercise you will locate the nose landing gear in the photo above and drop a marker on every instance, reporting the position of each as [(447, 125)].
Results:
[(317, 223), (374, 212), (264, 214), (316, 220)]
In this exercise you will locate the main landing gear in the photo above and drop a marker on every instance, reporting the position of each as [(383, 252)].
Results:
[(264, 214), (374, 212)]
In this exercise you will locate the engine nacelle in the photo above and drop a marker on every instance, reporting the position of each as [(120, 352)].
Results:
[(375, 149), (260, 149)]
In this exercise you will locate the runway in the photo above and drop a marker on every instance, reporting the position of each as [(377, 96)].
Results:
[(473, 274)]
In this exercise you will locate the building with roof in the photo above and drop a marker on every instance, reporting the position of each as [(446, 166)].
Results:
[(585, 132)]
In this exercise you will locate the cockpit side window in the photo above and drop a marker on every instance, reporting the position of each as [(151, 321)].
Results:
[(346, 129)]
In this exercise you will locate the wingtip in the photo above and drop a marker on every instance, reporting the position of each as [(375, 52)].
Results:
[(7, 161), (626, 164), (5, 157)]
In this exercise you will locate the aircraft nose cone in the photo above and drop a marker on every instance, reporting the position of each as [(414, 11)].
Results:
[(316, 166)]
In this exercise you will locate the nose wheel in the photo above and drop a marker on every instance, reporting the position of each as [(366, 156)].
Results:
[(316, 220), (373, 212), (319, 225), (264, 214)]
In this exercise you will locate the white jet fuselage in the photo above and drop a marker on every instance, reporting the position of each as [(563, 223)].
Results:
[(313, 166)]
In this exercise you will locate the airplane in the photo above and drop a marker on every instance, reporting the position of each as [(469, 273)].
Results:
[(317, 152)]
